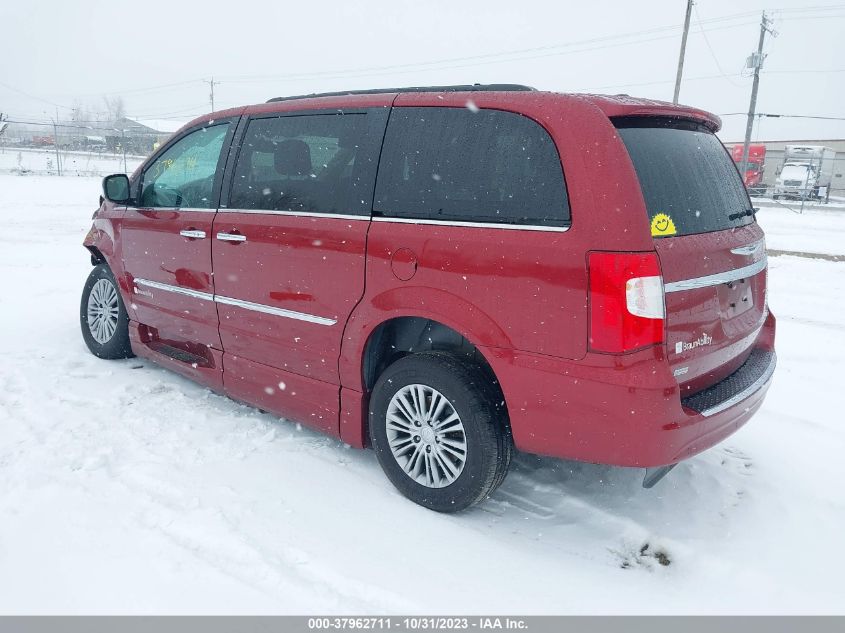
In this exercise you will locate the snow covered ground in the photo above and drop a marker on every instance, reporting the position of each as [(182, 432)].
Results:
[(127, 489), (816, 229), (14, 160)]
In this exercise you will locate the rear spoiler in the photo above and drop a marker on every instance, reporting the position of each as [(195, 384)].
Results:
[(707, 119)]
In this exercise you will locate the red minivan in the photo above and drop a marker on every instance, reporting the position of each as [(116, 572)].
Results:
[(447, 274)]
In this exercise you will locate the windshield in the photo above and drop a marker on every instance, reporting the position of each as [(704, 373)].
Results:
[(795, 172), (689, 181)]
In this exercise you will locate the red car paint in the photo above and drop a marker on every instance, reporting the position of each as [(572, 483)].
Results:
[(753, 176), (520, 297)]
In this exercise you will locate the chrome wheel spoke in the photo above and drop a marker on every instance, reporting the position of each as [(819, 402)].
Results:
[(405, 407), (438, 403), (426, 436), (446, 465), (401, 444), (398, 423), (445, 426), (411, 464)]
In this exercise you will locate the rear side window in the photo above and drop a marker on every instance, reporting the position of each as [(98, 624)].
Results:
[(454, 164), (688, 179), (322, 163)]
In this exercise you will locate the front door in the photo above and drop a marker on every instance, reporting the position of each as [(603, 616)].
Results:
[(167, 248), (289, 255)]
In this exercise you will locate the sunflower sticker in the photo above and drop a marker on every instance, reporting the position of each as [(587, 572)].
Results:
[(662, 225)]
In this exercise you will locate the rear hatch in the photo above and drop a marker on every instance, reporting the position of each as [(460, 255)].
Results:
[(711, 250)]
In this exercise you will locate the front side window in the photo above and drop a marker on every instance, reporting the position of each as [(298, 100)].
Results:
[(454, 164), (321, 163), (183, 176)]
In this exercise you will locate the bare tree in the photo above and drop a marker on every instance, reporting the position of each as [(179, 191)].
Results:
[(115, 107), (80, 113)]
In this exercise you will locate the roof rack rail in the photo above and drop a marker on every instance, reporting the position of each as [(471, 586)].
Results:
[(376, 91)]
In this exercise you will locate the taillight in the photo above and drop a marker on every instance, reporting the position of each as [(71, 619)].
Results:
[(626, 301)]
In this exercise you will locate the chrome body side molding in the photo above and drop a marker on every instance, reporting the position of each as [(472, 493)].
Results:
[(288, 314), (238, 303)]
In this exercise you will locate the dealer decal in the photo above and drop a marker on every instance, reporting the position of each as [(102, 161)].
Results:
[(662, 225), (683, 346)]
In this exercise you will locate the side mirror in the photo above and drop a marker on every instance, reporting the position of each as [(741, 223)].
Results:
[(116, 188)]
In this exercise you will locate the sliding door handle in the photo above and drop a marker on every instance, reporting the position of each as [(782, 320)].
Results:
[(193, 234), (231, 237)]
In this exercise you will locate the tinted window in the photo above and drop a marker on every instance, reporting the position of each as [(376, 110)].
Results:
[(315, 163), (483, 166), (183, 176), (686, 174)]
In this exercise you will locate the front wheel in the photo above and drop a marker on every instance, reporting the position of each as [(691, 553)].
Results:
[(440, 430), (103, 317)]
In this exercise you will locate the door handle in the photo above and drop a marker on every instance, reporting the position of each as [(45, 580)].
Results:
[(192, 234), (231, 237)]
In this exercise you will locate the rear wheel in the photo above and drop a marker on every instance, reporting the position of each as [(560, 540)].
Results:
[(103, 317), (440, 430)]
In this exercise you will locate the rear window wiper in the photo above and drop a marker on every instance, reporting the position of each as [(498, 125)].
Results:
[(741, 214)]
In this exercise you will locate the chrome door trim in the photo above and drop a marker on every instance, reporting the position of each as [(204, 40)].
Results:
[(479, 225), (745, 393), (366, 218), (198, 235), (303, 214), (246, 305), (196, 294), (260, 307), (179, 209), (231, 237), (719, 278)]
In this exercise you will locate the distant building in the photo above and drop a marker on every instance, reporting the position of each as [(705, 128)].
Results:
[(141, 136), (774, 160)]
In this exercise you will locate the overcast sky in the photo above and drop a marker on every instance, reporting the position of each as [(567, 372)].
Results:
[(61, 53)]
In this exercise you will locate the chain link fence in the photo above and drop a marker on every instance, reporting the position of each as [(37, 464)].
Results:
[(75, 149)]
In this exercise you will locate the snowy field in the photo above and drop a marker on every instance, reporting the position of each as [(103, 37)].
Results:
[(127, 489), (817, 228), (14, 160)]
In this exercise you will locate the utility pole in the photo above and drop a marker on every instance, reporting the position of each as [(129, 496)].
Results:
[(56, 143), (211, 83), (123, 146), (682, 53), (755, 61)]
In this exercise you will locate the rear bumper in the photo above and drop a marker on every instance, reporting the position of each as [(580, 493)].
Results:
[(626, 410), (753, 375)]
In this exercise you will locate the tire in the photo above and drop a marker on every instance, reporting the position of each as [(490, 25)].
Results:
[(437, 479), (108, 336)]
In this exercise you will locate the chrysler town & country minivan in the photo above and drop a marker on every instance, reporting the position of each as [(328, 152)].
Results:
[(448, 274)]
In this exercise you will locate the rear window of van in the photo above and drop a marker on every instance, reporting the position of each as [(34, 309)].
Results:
[(689, 181)]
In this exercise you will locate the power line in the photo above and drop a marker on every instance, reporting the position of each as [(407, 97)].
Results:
[(787, 116), (155, 88), (491, 58), (31, 96), (710, 48)]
